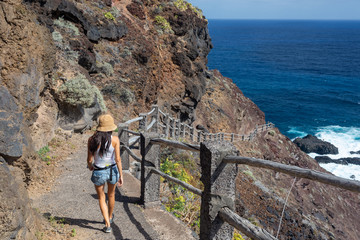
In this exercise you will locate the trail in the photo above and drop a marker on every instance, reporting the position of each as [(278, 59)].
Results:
[(73, 198)]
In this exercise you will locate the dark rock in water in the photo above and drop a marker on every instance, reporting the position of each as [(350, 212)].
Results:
[(352, 176), (10, 126), (353, 152), (326, 159), (311, 144), (343, 161), (349, 160)]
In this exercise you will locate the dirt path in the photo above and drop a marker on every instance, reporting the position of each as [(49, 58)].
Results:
[(73, 200)]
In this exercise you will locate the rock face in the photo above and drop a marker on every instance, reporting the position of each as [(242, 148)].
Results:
[(311, 144), (11, 119), (17, 219)]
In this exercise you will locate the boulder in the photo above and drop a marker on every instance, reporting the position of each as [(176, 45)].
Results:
[(311, 144), (355, 152), (10, 126)]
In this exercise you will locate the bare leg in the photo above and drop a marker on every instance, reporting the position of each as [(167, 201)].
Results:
[(111, 198), (102, 202)]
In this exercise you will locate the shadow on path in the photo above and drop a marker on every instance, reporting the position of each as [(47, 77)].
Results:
[(131, 200)]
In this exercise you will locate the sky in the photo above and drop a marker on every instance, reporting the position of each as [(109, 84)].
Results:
[(280, 9)]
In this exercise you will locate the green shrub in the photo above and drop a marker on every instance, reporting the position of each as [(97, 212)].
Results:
[(43, 154), (183, 6), (109, 15), (164, 24), (79, 91)]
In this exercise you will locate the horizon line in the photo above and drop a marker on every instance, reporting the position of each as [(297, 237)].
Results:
[(281, 19)]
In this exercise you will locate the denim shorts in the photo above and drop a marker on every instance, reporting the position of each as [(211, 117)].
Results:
[(100, 177)]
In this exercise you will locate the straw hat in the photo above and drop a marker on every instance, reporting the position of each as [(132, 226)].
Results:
[(106, 123)]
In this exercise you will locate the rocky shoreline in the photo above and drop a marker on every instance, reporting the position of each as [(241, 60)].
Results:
[(312, 144)]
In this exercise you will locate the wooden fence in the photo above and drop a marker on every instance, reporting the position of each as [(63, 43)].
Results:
[(218, 160)]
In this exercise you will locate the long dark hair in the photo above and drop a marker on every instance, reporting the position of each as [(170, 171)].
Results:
[(100, 138)]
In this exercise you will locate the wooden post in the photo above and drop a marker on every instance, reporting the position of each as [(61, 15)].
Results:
[(155, 115), (173, 130), (204, 136), (232, 137), (183, 131), (142, 123), (218, 179), (192, 134), (222, 137), (178, 128), (199, 137), (210, 136), (167, 125), (124, 141), (150, 183)]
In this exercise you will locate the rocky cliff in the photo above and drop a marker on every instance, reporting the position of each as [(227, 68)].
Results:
[(64, 62)]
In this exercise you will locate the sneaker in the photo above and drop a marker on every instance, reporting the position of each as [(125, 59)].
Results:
[(107, 229), (112, 219)]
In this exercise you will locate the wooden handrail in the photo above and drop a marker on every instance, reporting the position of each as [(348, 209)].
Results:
[(132, 132), (295, 171), (177, 144), (131, 153), (134, 120), (244, 226), (177, 181)]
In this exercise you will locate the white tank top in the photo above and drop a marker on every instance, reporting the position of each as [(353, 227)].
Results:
[(107, 159)]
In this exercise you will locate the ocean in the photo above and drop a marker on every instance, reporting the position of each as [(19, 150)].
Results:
[(304, 75)]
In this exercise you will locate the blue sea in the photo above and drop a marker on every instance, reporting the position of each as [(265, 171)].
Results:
[(304, 75)]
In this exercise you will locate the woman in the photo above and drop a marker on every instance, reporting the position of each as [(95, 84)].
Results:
[(104, 160)]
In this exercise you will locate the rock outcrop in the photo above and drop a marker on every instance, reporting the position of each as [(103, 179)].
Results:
[(311, 144), (17, 219)]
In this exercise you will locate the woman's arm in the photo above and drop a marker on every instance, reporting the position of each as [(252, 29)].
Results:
[(117, 158), (89, 157)]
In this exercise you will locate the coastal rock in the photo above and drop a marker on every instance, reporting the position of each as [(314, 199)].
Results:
[(354, 152), (311, 144), (326, 159), (342, 161)]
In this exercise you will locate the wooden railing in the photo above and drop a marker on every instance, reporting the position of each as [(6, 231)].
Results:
[(218, 161)]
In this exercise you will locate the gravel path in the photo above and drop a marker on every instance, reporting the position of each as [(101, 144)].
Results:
[(73, 198)]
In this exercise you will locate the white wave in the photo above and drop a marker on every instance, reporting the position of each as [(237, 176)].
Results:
[(295, 131), (344, 171), (346, 139)]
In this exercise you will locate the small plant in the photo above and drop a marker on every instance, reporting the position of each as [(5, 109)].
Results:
[(250, 174), (109, 15), (73, 232), (237, 236), (163, 23), (39, 235), (43, 154)]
